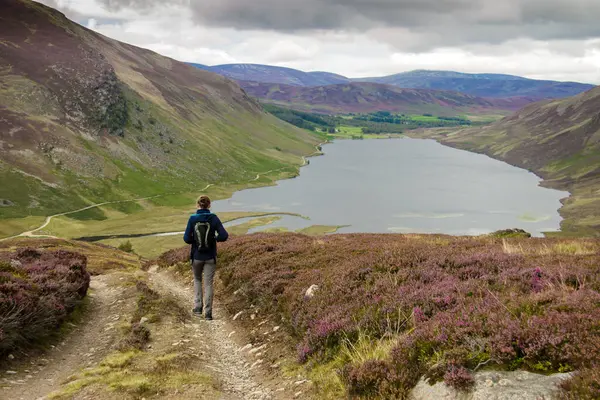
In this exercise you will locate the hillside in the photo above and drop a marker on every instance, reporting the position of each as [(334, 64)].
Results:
[(91, 119), (480, 85), (273, 74), (371, 316), (558, 140), (367, 97), (484, 85)]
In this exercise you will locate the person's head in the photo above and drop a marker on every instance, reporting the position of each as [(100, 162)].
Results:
[(203, 202)]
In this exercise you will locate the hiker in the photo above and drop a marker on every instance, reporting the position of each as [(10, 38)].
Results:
[(204, 230)]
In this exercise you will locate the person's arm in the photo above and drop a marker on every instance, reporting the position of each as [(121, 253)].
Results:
[(188, 236), (222, 234)]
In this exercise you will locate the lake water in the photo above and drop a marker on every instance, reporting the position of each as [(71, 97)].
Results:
[(406, 185)]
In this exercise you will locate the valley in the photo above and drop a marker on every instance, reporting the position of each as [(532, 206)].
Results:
[(453, 253)]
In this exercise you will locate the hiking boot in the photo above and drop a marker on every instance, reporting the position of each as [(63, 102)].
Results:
[(197, 311), (208, 317)]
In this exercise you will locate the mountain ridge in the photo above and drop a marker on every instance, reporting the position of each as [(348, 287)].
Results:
[(482, 84), (365, 97)]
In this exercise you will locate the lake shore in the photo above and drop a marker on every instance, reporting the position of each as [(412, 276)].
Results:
[(584, 195)]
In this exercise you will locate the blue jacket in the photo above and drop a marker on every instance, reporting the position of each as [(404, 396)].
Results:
[(216, 228)]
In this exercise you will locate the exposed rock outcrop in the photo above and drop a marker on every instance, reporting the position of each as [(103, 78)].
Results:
[(496, 385)]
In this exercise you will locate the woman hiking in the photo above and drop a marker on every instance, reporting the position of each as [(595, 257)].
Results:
[(203, 231)]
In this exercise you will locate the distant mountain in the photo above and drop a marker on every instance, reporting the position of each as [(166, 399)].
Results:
[(481, 85), (558, 140), (484, 85), (87, 119), (363, 97), (268, 73)]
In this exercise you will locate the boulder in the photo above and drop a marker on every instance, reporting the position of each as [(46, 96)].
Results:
[(496, 385)]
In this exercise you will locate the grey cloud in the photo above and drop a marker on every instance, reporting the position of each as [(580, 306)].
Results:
[(431, 23)]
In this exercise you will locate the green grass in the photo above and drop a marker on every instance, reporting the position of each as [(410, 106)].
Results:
[(14, 226), (318, 230)]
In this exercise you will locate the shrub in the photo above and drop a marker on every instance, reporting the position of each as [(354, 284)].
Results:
[(127, 247), (585, 385), (38, 290), (453, 304)]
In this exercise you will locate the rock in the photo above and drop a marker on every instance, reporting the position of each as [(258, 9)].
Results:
[(253, 317), (11, 372), (6, 203), (496, 385), (311, 291), (275, 329), (143, 320), (246, 347), (236, 316), (297, 394), (11, 357), (257, 349)]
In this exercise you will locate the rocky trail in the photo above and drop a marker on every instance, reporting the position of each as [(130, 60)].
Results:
[(223, 351), (238, 365)]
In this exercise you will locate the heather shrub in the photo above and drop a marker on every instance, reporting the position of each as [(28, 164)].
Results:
[(38, 290), (453, 305), (585, 385), (368, 378)]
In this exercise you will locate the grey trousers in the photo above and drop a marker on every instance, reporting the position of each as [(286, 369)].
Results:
[(204, 271)]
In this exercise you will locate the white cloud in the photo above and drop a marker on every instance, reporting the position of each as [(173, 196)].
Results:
[(171, 29)]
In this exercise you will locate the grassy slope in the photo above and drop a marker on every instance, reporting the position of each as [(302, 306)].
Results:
[(181, 122), (559, 141)]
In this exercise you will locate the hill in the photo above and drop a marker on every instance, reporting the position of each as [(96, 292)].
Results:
[(484, 85), (272, 74), (90, 119), (481, 85), (558, 140), (367, 97)]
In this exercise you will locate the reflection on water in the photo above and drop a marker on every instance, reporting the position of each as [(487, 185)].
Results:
[(406, 185)]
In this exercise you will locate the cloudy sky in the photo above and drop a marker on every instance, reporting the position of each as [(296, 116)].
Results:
[(544, 39)]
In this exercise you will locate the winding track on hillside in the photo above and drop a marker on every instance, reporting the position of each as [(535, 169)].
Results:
[(32, 232)]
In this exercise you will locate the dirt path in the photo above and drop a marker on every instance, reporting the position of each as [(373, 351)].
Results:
[(84, 346), (237, 366)]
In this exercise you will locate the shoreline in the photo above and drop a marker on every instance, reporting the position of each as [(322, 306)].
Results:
[(545, 182), (32, 233)]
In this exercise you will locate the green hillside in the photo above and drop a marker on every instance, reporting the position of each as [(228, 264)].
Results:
[(89, 119)]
